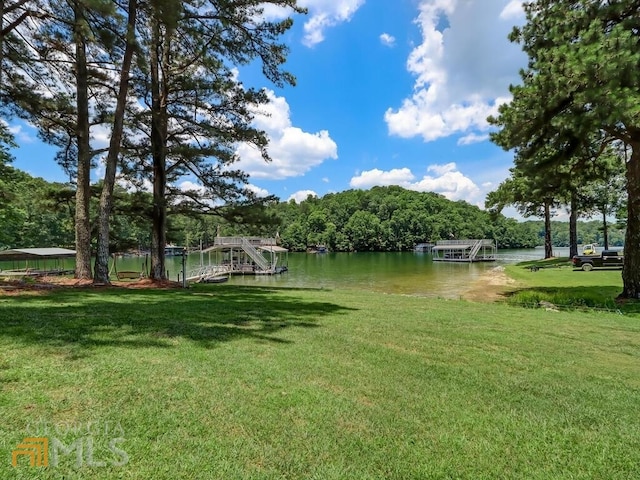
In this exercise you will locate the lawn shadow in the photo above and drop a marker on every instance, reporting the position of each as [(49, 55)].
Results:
[(207, 315)]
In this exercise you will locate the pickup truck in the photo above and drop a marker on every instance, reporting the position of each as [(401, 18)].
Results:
[(607, 259)]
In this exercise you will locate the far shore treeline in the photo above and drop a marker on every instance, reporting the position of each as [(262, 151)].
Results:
[(37, 213)]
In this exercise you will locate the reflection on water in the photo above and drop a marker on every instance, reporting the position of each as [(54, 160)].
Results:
[(393, 272)]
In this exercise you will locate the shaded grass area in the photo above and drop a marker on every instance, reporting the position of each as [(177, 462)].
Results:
[(557, 282), (230, 382)]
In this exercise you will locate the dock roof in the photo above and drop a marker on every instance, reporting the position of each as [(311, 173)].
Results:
[(35, 253), (457, 246)]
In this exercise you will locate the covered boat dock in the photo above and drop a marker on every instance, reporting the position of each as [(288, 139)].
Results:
[(241, 256), (21, 262), (484, 250)]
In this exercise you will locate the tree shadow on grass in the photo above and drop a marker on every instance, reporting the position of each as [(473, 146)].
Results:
[(597, 297), (206, 315)]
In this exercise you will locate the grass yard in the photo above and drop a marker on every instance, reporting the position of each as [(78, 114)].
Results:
[(239, 382), (557, 282)]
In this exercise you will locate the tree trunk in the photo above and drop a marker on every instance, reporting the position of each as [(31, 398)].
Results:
[(83, 191), (158, 152), (631, 270), (605, 228), (573, 228), (548, 248), (106, 196)]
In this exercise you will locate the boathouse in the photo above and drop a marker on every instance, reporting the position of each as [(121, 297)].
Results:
[(242, 256), (484, 250), (37, 261)]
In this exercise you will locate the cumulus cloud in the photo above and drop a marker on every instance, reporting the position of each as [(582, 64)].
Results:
[(370, 178), (388, 40), (445, 179), (292, 150), (301, 195), (462, 71), (324, 14), (258, 191)]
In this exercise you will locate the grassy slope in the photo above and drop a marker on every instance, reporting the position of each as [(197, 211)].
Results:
[(228, 382)]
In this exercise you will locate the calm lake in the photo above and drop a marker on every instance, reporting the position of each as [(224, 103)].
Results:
[(393, 272), (407, 273)]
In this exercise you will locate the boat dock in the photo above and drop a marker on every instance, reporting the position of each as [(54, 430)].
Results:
[(241, 256), (484, 250)]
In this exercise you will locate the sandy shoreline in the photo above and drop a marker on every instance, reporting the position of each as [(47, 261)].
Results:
[(491, 286)]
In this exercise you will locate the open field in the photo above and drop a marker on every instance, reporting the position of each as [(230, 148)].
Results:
[(247, 382)]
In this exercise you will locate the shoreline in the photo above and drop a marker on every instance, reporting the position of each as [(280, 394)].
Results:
[(491, 286)]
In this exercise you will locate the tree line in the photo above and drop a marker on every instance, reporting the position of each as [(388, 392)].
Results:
[(161, 78), (395, 219), (37, 213)]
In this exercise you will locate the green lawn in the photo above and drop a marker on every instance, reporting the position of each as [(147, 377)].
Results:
[(559, 283), (235, 382)]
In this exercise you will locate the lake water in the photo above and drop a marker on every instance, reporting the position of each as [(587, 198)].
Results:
[(392, 272)]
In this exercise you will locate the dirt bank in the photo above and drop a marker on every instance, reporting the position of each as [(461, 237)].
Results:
[(491, 286)]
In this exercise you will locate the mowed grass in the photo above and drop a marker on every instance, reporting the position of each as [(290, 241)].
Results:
[(557, 282), (239, 382)]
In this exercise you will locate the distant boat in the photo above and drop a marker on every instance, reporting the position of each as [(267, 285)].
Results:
[(215, 279), (317, 249)]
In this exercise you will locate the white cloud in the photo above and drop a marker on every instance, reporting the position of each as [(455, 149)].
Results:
[(388, 40), (442, 169), (368, 179), (324, 14), (462, 71), (259, 192), (100, 136), (512, 10), (447, 180), (20, 133), (472, 138), (292, 150), (188, 185), (144, 186), (301, 195)]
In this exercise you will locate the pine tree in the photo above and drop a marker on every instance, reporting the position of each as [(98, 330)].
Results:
[(582, 77)]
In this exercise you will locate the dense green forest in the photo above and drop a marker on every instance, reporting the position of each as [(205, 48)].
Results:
[(37, 213), (395, 219)]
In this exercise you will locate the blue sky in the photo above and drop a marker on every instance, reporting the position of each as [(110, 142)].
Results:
[(388, 93)]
